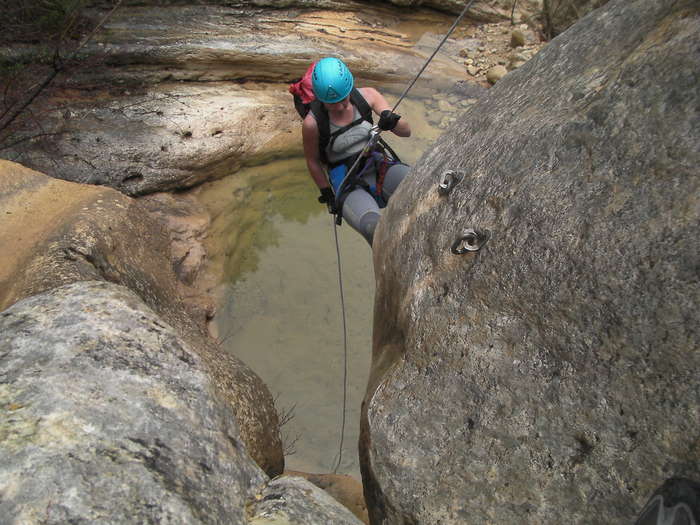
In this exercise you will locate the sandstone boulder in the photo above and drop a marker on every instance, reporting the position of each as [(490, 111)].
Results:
[(552, 375), (109, 416), (517, 38), (496, 73), (55, 232)]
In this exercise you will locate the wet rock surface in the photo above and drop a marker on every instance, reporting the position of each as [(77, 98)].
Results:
[(550, 376), (62, 232), (109, 416)]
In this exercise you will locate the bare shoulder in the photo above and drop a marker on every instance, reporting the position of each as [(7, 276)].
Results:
[(309, 124), (369, 93), (375, 99)]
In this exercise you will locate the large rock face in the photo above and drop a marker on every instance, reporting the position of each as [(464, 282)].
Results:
[(109, 416), (552, 375), (55, 232)]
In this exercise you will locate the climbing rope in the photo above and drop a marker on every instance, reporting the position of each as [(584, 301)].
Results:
[(454, 25), (374, 135), (345, 349), (373, 138)]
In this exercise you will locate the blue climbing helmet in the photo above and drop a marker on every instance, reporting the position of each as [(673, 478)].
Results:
[(331, 80)]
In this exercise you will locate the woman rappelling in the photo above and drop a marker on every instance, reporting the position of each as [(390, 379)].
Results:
[(355, 181)]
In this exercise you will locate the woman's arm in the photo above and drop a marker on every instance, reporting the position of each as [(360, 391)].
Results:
[(379, 104), (309, 134)]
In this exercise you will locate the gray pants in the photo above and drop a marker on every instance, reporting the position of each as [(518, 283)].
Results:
[(361, 210)]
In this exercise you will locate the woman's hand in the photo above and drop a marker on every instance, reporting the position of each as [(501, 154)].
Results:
[(379, 105), (388, 120)]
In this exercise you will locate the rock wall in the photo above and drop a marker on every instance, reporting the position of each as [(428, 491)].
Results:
[(175, 95), (61, 232), (550, 376), (481, 10), (108, 416)]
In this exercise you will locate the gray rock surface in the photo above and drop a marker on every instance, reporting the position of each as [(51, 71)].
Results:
[(109, 417), (296, 501), (61, 232), (551, 376)]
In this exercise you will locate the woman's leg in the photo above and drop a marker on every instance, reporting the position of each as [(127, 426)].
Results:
[(361, 212), (394, 175)]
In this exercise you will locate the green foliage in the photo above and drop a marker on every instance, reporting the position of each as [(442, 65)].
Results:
[(9, 68), (40, 20), (14, 59)]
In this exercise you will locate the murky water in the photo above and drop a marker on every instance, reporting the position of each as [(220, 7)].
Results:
[(279, 306)]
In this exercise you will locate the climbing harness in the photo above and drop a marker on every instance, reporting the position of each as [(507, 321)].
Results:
[(470, 240), (352, 178), (381, 175), (374, 137)]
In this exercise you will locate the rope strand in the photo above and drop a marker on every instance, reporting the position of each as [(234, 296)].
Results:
[(345, 349), (454, 25)]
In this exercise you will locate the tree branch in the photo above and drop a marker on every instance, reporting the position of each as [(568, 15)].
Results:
[(58, 66)]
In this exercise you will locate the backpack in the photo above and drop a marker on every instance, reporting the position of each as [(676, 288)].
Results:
[(305, 101)]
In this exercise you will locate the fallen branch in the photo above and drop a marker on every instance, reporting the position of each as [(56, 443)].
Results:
[(58, 66)]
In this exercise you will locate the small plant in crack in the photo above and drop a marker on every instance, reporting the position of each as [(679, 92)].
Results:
[(284, 416)]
